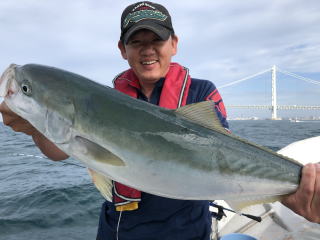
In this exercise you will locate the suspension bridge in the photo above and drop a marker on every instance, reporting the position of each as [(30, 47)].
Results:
[(273, 106)]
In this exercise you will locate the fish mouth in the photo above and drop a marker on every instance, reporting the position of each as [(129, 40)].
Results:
[(8, 85)]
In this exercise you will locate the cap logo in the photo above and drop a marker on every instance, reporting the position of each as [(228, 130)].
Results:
[(143, 14), (143, 5)]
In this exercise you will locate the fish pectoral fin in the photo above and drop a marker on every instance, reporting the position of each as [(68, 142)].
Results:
[(97, 152), (241, 204), (102, 183), (202, 113)]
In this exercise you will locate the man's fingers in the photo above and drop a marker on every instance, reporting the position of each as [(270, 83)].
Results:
[(14, 121), (19, 124), (306, 188), (24, 127), (7, 115), (4, 109), (301, 201), (306, 194), (316, 197)]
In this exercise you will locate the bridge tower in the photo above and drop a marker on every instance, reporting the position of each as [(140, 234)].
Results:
[(274, 93)]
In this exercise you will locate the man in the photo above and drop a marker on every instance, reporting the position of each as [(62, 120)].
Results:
[(148, 43)]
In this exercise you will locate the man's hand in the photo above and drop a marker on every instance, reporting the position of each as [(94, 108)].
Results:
[(14, 121), (19, 124), (306, 200)]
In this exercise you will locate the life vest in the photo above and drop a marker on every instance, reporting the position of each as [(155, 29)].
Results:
[(174, 94)]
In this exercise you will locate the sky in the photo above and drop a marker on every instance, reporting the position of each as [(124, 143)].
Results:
[(221, 41)]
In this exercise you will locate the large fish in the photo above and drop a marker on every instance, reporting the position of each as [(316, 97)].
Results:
[(182, 154)]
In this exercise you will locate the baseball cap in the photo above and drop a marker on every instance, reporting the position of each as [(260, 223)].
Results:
[(145, 15)]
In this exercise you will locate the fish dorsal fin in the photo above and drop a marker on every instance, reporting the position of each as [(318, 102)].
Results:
[(102, 183), (202, 113)]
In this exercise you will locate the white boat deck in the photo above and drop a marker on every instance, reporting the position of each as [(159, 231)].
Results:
[(278, 222)]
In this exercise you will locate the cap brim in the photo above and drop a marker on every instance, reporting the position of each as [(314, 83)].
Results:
[(160, 30)]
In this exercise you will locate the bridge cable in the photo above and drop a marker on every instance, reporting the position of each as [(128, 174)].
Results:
[(309, 80), (244, 79)]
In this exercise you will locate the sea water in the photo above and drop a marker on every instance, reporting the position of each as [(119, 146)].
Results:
[(43, 199)]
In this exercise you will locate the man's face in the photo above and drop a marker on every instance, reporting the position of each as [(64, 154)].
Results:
[(148, 55)]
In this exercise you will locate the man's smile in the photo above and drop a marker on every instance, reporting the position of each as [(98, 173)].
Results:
[(149, 62)]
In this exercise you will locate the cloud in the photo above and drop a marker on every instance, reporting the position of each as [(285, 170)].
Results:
[(253, 35), (78, 36), (219, 40)]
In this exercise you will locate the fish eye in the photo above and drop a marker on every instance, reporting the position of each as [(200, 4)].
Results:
[(26, 87)]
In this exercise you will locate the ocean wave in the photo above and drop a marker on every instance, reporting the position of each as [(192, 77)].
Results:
[(46, 208)]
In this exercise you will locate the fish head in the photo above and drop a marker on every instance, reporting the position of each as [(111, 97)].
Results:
[(37, 94), (14, 89)]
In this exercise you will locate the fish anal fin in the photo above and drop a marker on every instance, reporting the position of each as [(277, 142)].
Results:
[(97, 152), (102, 183), (202, 113)]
